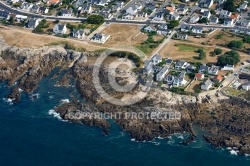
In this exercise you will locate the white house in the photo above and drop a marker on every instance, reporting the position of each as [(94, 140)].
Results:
[(4, 14), (159, 16), (79, 34), (214, 20), (150, 28), (66, 13), (213, 70), (228, 22), (182, 36), (194, 19), (197, 30), (156, 59), (206, 3), (60, 29), (20, 18), (246, 86), (86, 9), (179, 80), (225, 13), (228, 68), (181, 64), (100, 38), (243, 6), (206, 14), (161, 75), (32, 23), (207, 85)]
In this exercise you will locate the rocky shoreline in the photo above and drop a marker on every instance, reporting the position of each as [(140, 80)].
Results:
[(227, 120)]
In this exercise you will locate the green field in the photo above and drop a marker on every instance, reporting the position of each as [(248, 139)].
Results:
[(189, 48)]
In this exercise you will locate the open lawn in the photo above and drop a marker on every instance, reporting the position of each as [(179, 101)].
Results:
[(234, 92), (195, 86), (123, 35), (182, 51)]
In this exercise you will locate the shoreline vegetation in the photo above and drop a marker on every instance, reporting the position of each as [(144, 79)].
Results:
[(226, 119)]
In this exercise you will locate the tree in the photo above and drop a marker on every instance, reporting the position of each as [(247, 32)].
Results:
[(173, 23), (11, 20), (56, 21), (246, 39), (199, 50), (230, 58), (202, 55), (229, 5), (217, 51), (203, 20), (213, 12), (235, 44), (95, 19)]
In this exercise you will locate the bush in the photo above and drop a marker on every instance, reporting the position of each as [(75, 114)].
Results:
[(217, 51), (173, 23), (203, 20), (235, 44), (95, 19), (202, 55), (56, 21), (230, 58), (246, 39), (199, 50)]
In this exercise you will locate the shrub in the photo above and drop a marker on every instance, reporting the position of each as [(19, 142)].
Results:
[(217, 51), (235, 44)]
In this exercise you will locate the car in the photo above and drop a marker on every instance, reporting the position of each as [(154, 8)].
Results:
[(221, 86), (235, 74), (242, 63)]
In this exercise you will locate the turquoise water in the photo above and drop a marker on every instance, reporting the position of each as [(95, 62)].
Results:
[(30, 136)]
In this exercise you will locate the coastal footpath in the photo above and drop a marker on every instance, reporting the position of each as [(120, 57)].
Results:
[(225, 120)]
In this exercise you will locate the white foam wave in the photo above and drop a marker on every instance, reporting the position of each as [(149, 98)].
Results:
[(20, 90), (51, 97), (34, 96), (56, 115), (64, 101), (8, 100), (234, 152)]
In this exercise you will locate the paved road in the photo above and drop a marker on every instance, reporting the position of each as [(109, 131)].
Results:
[(113, 20)]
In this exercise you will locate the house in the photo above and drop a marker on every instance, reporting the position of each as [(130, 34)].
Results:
[(228, 68), (79, 34), (156, 59), (179, 80), (245, 23), (142, 14), (197, 30), (207, 85), (35, 8), (194, 19), (169, 79), (181, 64), (206, 14), (32, 23), (228, 22), (20, 18), (235, 16), (60, 29), (157, 69), (170, 8), (99, 38), (150, 28), (168, 61), (185, 1), (218, 78), (134, 8), (148, 67), (206, 3), (186, 28), (66, 13), (225, 13), (243, 6), (182, 36), (43, 10), (128, 17), (199, 76), (26, 6), (246, 86), (163, 30), (118, 6), (159, 16), (214, 20), (150, 6), (203, 69), (175, 16), (4, 14), (190, 69), (87, 8), (161, 75), (54, 2), (182, 9), (102, 2), (213, 70)]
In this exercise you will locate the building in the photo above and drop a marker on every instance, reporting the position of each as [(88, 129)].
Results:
[(87, 8), (150, 28), (182, 9), (148, 67), (246, 86), (194, 19), (228, 22), (4, 15), (190, 69), (206, 3), (228, 68), (182, 36), (203, 69), (163, 30), (66, 13), (156, 59), (43, 10), (181, 64), (225, 13), (170, 8), (161, 75), (54, 2), (197, 30), (199, 76), (244, 23), (180, 80), (20, 18), (214, 20), (206, 14), (207, 85), (243, 6), (218, 78), (60, 29), (185, 28), (100, 38), (79, 34), (213, 70), (32, 23), (159, 16)]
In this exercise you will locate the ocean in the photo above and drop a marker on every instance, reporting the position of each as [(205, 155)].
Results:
[(31, 134)]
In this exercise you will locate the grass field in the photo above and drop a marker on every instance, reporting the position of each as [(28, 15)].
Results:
[(187, 48)]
